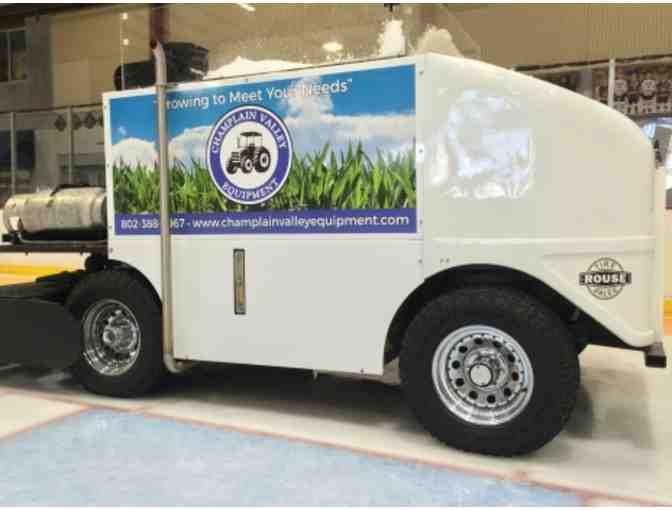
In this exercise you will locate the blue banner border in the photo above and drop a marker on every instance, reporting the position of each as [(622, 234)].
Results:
[(351, 221)]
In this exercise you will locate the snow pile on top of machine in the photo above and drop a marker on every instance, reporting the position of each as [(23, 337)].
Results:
[(241, 66), (391, 43), (437, 40), (391, 40)]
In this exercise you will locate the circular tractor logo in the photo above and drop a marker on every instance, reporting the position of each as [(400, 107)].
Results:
[(605, 278), (249, 154)]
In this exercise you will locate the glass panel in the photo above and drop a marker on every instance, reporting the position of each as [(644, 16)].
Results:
[(659, 130), (253, 38), (89, 163), (88, 44), (17, 44), (135, 67), (5, 160), (42, 150), (4, 54)]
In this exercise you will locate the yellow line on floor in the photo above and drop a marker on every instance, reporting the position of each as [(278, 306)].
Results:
[(668, 308), (28, 270)]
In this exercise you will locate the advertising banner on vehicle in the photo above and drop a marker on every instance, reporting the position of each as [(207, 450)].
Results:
[(328, 153)]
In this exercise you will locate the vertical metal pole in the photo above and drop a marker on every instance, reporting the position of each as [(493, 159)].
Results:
[(12, 151), (164, 214), (612, 80), (124, 17), (71, 146)]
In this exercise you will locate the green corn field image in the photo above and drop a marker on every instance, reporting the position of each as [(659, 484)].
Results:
[(324, 180)]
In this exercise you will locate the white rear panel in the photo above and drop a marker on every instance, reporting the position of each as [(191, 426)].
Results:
[(526, 175)]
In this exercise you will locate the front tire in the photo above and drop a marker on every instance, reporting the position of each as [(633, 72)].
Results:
[(247, 164), (489, 370), (231, 168), (121, 330)]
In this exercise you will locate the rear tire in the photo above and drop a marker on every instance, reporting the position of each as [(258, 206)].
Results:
[(457, 365), (121, 322), (262, 160)]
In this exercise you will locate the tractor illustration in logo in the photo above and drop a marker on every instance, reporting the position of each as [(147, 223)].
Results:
[(252, 155), (249, 154)]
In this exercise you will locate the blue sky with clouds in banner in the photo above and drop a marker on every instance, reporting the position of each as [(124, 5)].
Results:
[(378, 111)]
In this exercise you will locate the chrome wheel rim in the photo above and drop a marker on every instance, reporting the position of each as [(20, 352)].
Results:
[(482, 375), (112, 338)]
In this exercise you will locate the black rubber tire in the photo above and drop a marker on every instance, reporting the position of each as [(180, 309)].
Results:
[(257, 160), (247, 164), (231, 168), (148, 369), (580, 347), (539, 331)]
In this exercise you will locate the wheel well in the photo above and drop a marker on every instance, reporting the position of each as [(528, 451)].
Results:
[(99, 263), (582, 325)]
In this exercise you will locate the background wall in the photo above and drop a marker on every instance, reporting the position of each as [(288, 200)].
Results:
[(36, 91), (87, 46), (537, 34)]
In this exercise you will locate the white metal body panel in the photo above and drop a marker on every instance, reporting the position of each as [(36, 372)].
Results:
[(526, 175), (319, 304)]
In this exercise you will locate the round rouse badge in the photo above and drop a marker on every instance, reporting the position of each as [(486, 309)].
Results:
[(249, 154), (605, 278)]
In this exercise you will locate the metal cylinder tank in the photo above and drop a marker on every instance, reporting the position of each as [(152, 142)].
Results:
[(64, 209)]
